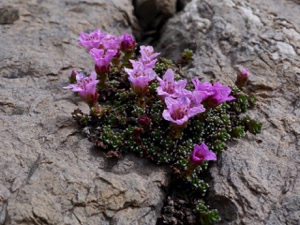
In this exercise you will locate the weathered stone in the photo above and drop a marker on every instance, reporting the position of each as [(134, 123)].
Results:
[(256, 180), (50, 174)]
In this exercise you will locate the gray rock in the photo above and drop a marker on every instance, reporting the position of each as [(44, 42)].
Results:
[(50, 174), (256, 180)]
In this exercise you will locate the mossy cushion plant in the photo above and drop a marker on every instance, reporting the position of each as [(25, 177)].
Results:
[(140, 104)]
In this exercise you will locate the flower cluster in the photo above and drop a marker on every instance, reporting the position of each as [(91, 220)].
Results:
[(149, 110), (183, 104), (106, 47), (102, 40), (142, 72)]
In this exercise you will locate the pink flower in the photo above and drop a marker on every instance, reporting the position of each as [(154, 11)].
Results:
[(148, 57), (127, 43), (205, 89), (139, 69), (111, 42), (102, 59), (220, 94), (148, 52), (201, 153), (86, 86), (196, 98), (139, 84), (92, 40), (140, 77), (137, 66), (179, 111), (168, 87)]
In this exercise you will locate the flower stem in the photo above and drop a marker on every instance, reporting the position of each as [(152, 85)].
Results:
[(176, 130), (141, 102), (189, 170)]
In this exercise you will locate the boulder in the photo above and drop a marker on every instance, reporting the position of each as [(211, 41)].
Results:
[(255, 181), (50, 173)]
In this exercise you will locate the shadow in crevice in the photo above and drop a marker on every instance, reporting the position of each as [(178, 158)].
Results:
[(227, 209), (152, 16)]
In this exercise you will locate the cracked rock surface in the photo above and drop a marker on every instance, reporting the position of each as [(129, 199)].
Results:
[(50, 174), (256, 181)]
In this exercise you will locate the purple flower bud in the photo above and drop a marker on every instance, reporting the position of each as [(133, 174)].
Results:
[(127, 43), (242, 78), (144, 120)]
